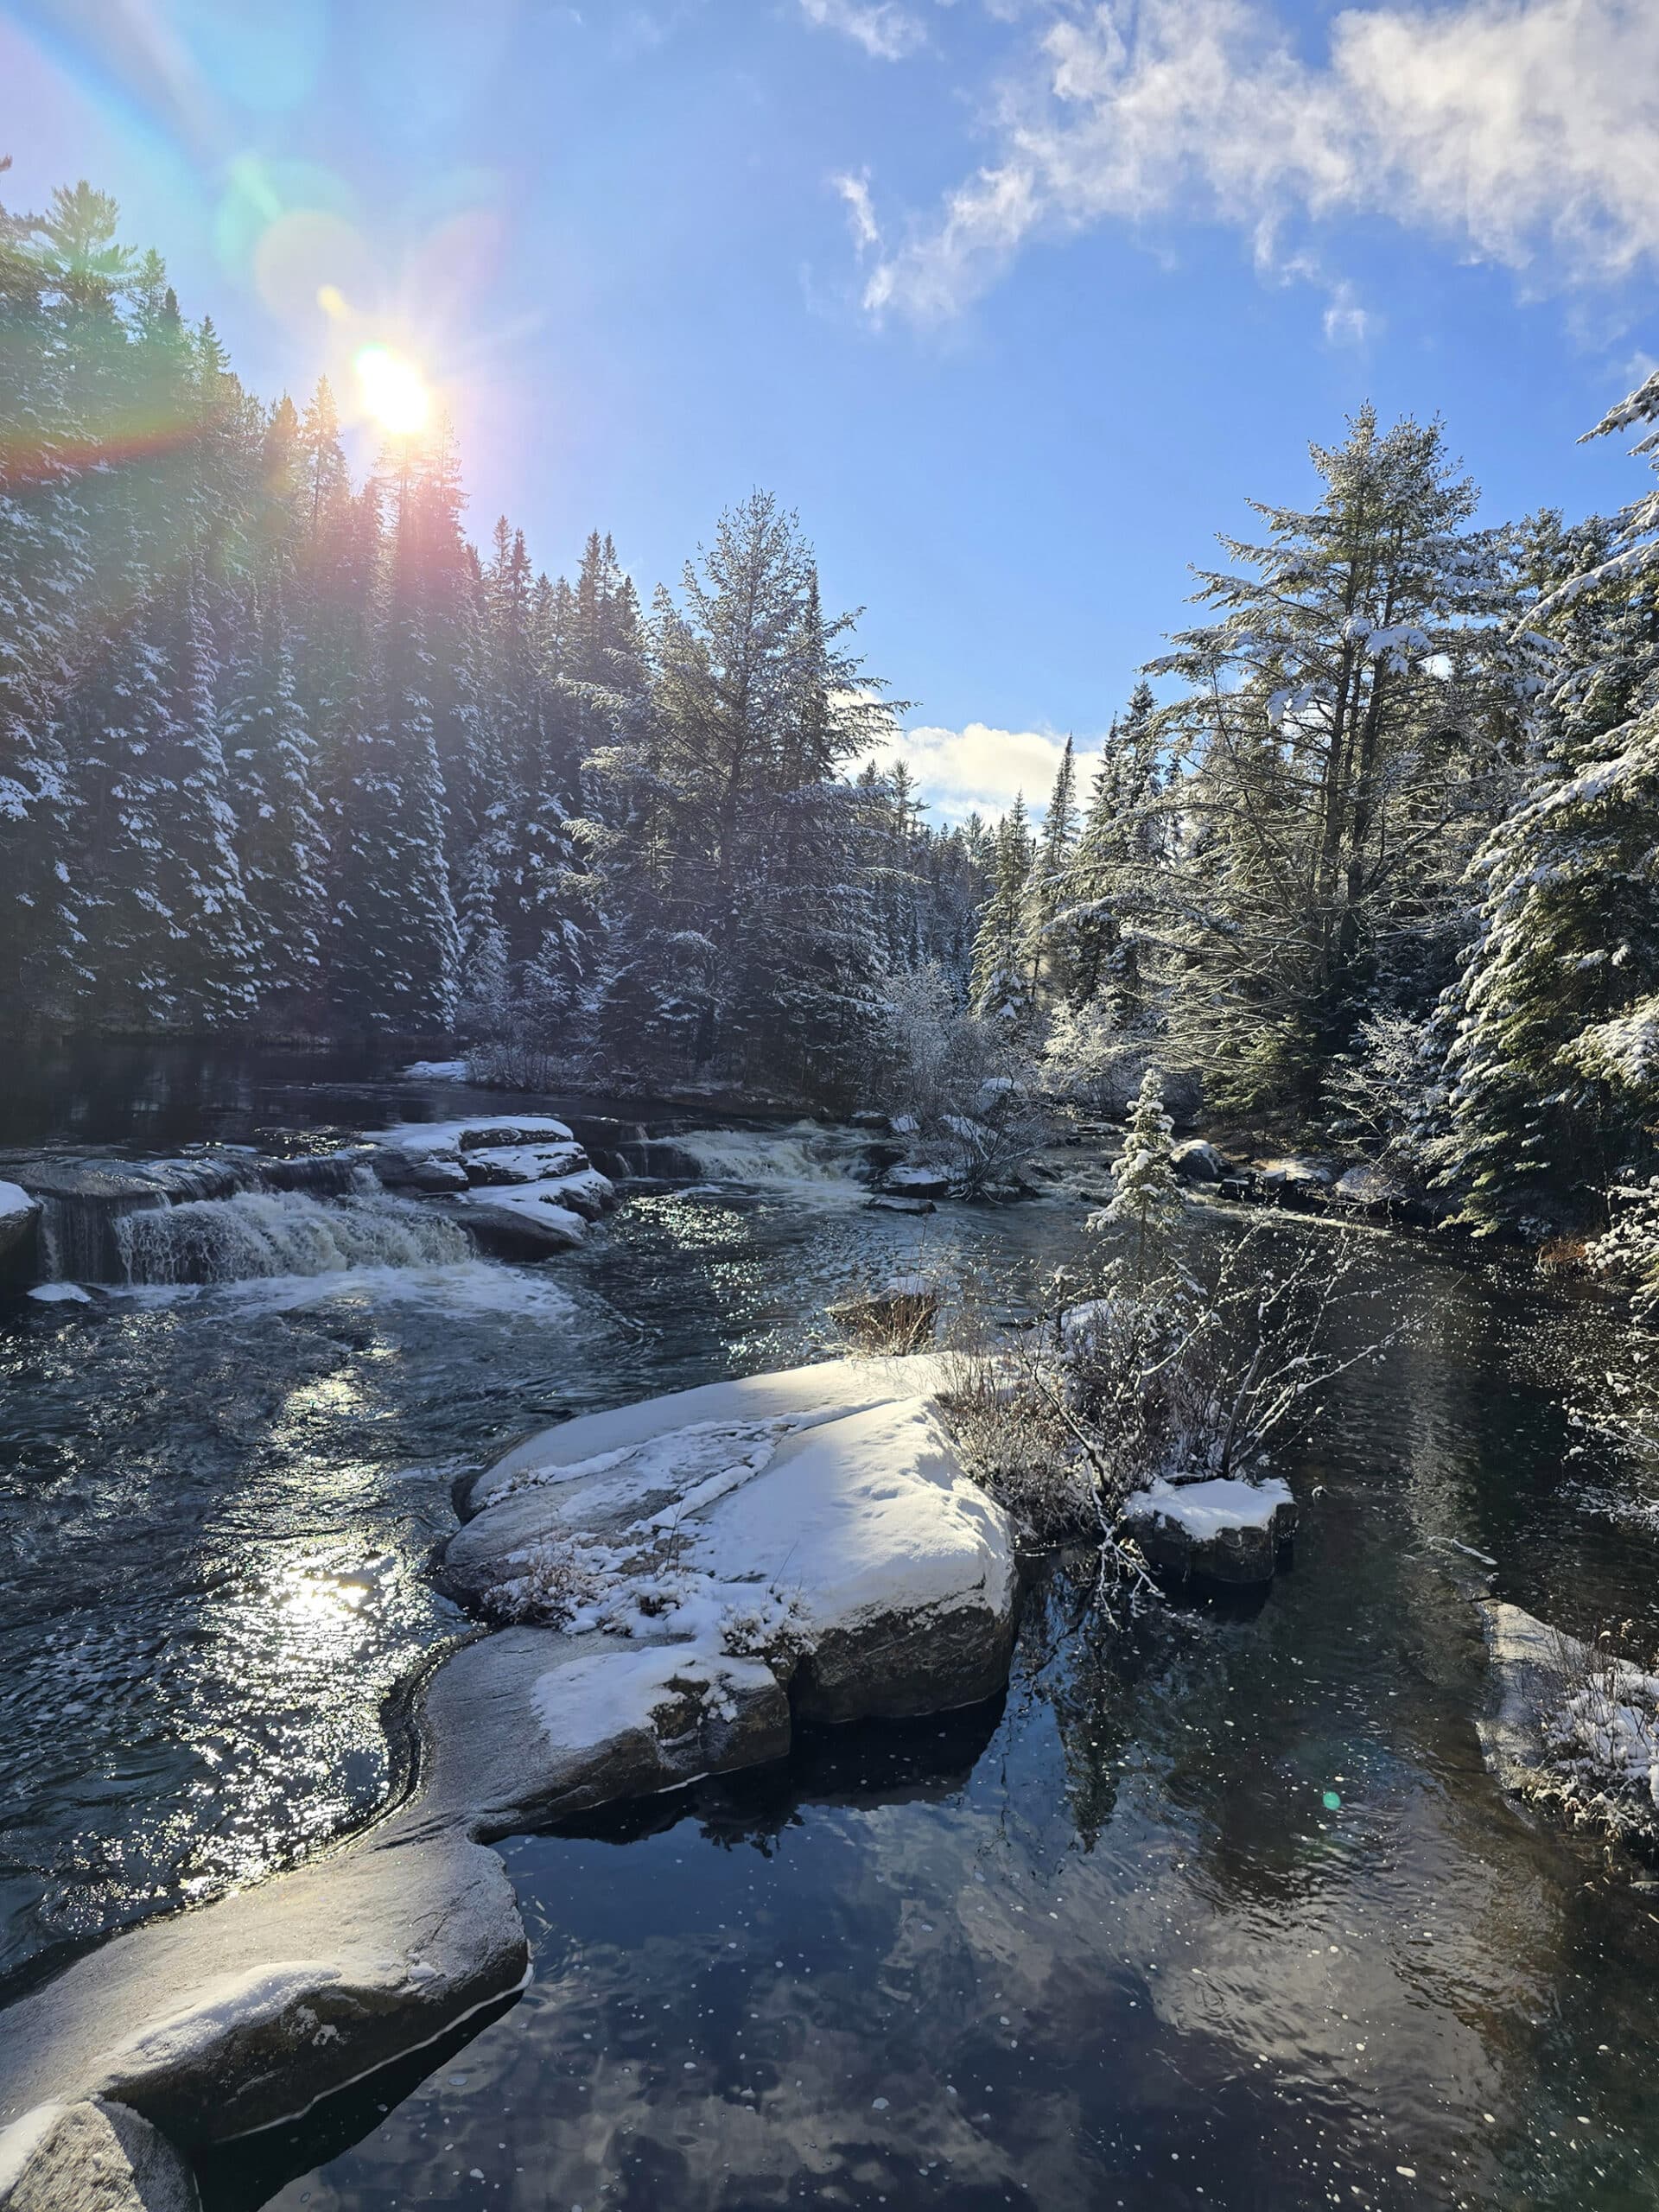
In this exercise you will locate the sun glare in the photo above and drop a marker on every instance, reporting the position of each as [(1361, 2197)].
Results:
[(394, 390)]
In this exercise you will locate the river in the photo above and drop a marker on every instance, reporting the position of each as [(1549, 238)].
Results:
[(1217, 1908)]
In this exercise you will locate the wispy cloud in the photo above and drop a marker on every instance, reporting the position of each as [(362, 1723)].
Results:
[(861, 211), (978, 769), (885, 30), (1524, 131)]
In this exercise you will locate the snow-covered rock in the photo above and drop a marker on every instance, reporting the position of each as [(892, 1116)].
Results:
[(525, 1188), (1293, 1179), (61, 1294), (1196, 1160), (1368, 1187), (481, 1133), (917, 1182), (1228, 1529), (1571, 1724), (435, 1072), (817, 1520), (215, 2022), (528, 1223), (91, 2156), (523, 1163)]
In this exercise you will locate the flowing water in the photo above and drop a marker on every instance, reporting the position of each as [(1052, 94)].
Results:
[(1216, 1909)]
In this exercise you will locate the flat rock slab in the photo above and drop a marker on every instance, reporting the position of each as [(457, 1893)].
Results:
[(212, 2023), (1228, 1529), (92, 2157)]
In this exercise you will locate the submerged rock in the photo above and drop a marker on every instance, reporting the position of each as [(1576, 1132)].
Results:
[(91, 2157), (1229, 1530), (885, 1203)]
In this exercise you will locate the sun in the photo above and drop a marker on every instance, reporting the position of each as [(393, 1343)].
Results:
[(394, 390)]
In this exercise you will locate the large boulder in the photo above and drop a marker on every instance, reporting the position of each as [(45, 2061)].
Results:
[(1196, 1160), (817, 1520), (528, 1224), (1294, 1181), (92, 2155), (1226, 1530), (928, 1181)]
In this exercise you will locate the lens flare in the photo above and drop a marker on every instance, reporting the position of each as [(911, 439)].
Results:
[(394, 390)]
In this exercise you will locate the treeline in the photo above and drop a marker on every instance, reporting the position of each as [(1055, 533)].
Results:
[(281, 750), (1381, 868)]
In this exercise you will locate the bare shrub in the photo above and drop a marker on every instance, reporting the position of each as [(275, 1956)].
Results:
[(1188, 1382)]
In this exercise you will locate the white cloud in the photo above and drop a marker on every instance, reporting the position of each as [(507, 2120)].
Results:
[(886, 31), (1347, 323), (860, 211), (976, 768), (1525, 131)]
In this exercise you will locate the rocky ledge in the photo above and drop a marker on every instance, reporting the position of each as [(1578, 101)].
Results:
[(685, 1579)]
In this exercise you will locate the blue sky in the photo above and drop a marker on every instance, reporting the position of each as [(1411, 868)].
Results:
[(1016, 301)]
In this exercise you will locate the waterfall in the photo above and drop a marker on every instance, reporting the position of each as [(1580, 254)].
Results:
[(263, 1233), (79, 1233), (803, 1159)]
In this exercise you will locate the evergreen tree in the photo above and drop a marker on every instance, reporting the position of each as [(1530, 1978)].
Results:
[(1554, 1055), (1001, 987), (280, 840), (1346, 746), (1145, 1191)]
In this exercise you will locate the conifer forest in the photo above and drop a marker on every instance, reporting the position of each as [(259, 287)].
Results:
[(1369, 851)]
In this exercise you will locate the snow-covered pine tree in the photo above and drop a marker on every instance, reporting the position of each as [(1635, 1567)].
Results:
[(1554, 1065), (269, 757), (1114, 880), (1045, 891), (1000, 990), (1348, 749), (44, 576), (395, 951), (1146, 1195)]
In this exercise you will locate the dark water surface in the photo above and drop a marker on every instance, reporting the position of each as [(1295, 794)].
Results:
[(1217, 1909)]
